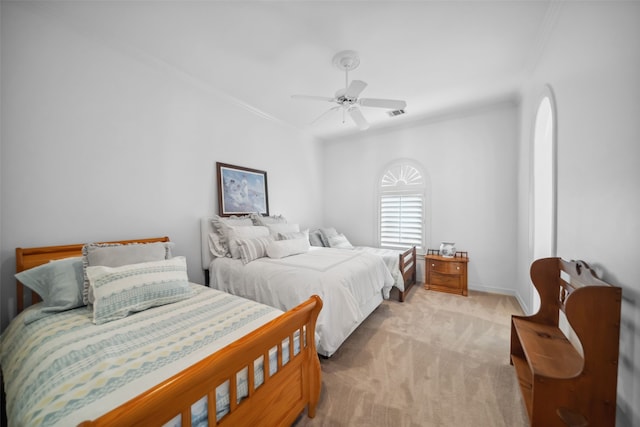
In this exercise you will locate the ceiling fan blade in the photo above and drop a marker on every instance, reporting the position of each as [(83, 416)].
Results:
[(337, 107), (392, 104), (354, 89), (358, 118), (312, 97)]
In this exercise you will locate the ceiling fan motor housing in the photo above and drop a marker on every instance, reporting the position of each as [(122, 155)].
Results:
[(344, 100), (346, 60)]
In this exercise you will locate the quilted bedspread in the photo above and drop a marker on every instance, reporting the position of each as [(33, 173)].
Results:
[(63, 369)]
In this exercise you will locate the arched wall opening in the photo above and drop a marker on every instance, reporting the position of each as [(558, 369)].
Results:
[(544, 182)]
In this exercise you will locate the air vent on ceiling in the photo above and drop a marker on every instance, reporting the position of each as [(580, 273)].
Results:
[(394, 113)]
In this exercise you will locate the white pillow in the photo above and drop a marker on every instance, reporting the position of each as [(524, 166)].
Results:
[(304, 234), (220, 222), (284, 248), (325, 234), (264, 220), (217, 248), (315, 238), (221, 226), (243, 233), (275, 229), (340, 241)]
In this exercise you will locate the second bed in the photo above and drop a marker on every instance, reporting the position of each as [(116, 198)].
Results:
[(352, 284)]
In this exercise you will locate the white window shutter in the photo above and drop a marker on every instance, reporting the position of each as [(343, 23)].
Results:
[(401, 220)]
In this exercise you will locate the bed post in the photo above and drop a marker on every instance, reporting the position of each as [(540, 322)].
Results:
[(315, 372), (407, 257)]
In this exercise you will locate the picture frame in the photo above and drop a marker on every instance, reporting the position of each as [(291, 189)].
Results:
[(241, 190)]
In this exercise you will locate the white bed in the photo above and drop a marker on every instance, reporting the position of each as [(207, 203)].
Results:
[(401, 264), (352, 284)]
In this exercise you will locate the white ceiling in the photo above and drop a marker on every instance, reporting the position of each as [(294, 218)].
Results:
[(436, 55)]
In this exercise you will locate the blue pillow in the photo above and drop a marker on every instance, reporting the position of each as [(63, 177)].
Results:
[(59, 284)]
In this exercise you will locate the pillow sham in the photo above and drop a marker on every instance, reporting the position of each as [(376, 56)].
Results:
[(315, 238), (121, 291), (340, 241), (326, 233), (216, 247), (221, 227), (265, 220), (304, 234), (59, 283), (283, 228), (252, 249), (234, 220), (284, 248), (117, 254), (239, 233)]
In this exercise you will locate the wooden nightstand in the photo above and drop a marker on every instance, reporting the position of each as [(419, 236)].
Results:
[(446, 274)]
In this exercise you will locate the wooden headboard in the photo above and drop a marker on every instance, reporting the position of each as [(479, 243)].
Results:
[(27, 258)]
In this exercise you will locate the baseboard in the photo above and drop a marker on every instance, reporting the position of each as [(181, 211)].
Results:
[(502, 291), (493, 290)]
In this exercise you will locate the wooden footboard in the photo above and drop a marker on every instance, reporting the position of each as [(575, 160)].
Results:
[(408, 269), (276, 402)]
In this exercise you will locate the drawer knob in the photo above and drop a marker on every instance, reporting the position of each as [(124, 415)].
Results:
[(458, 268), (433, 265)]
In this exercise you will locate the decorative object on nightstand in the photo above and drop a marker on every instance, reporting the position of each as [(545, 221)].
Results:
[(446, 273), (447, 249)]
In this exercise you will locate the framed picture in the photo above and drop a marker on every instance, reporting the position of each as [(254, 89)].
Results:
[(241, 190)]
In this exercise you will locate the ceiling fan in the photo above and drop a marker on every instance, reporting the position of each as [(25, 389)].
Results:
[(347, 98)]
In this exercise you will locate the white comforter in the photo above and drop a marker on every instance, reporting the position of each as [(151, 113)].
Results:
[(351, 284), (391, 258)]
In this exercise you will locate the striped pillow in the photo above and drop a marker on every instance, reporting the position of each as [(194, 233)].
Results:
[(117, 254), (121, 291), (255, 248)]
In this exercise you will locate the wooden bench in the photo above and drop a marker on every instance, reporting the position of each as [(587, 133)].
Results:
[(567, 382)]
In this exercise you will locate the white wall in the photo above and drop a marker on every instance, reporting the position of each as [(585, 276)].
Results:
[(592, 62), (469, 158), (101, 144), (1, 134)]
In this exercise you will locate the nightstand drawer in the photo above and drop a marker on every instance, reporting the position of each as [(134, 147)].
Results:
[(448, 267), (447, 280)]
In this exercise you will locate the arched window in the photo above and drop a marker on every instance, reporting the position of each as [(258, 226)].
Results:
[(401, 206)]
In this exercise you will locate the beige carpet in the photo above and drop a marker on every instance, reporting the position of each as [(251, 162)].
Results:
[(434, 360)]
